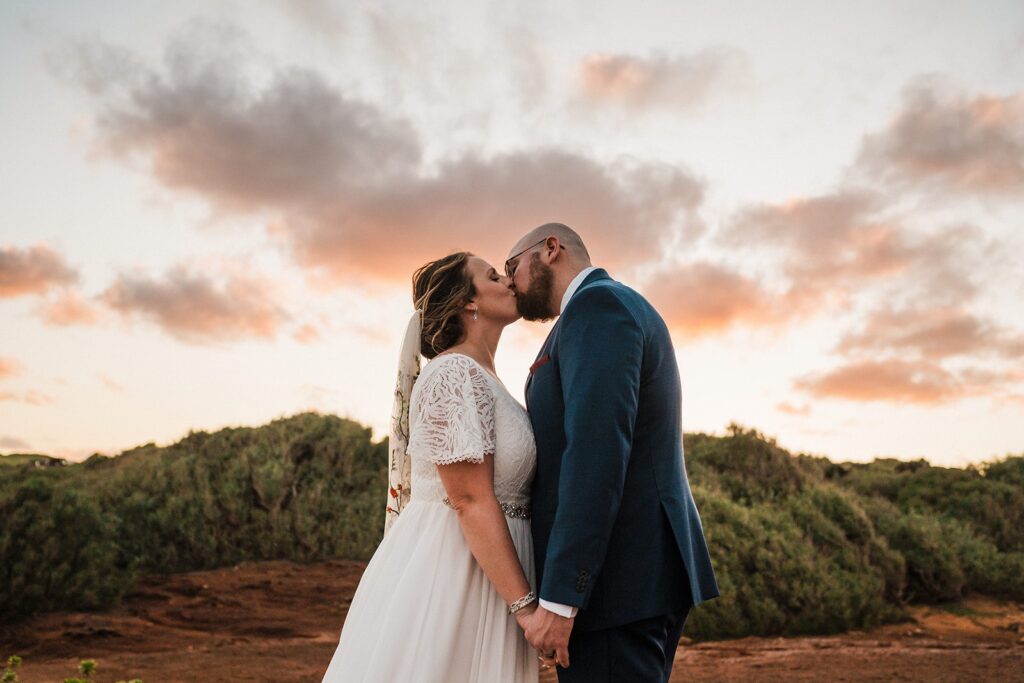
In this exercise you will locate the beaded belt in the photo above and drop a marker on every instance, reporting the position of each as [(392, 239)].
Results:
[(510, 510)]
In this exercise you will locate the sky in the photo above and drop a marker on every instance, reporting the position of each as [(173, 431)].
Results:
[(211, 210)]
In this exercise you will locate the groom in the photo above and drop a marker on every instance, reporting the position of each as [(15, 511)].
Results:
[(620, 551)]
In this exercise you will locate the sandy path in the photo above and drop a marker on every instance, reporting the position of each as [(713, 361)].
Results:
[(279, 621)]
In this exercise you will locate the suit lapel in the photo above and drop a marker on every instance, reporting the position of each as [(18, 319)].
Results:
[(540, 354), (593, 276)]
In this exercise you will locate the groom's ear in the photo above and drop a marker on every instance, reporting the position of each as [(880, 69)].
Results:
[(557, 252)]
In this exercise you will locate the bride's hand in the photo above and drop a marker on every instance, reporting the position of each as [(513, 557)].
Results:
[(523, 615)]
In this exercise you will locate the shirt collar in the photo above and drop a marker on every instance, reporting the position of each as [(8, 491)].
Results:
[(574, 285)]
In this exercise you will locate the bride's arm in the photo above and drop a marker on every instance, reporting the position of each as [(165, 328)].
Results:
[(471, 492)]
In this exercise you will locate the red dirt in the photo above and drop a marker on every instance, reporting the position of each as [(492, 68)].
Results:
[(279, 621)]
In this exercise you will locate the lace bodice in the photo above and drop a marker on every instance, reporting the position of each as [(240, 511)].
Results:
[(459, 411)]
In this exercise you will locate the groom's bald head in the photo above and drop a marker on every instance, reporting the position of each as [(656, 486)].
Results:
[(567, 237)]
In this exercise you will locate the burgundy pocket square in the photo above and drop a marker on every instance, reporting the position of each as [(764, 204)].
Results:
[(539, 362)]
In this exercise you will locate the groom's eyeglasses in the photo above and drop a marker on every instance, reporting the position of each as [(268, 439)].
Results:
[(510, 268)]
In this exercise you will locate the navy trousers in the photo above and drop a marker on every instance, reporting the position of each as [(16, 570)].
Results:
[(639, 652)]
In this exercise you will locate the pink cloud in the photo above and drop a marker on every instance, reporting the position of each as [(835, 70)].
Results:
[(69, 308), (843, 246), (341, 184), (933, 333), (196, 308), (831, 238), (790, 409), (902, 381), (942, 139), (703, 298), (659, 80), (840, 250), (307, 333), (34, 398), (890, 380), (625, 213), (9, 367), (33, 270)]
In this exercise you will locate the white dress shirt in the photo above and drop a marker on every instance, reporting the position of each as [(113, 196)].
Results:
[(557, 607), (574, 285)]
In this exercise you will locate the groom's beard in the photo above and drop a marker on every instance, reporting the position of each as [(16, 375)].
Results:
[(535, 302)]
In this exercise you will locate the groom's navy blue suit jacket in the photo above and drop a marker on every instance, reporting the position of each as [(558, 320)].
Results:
[(616, 532)]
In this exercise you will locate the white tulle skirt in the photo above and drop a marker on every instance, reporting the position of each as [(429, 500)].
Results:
[(425, 612)]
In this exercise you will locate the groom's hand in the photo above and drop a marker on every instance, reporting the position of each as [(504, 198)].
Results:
[(549, 632)]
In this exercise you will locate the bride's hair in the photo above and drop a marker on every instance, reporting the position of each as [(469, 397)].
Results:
[(440, 289)]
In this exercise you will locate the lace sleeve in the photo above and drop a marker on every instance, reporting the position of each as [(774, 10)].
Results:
[(452, 418)]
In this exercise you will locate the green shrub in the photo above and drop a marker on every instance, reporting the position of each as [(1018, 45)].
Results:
[(305, 488), (10, 675), (934, 572), (800, 544), (787, 567), (990, 498), (744, 464), (59, 550)]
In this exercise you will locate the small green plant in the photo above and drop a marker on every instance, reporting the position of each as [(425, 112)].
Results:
[(10, 676), (87, 667)]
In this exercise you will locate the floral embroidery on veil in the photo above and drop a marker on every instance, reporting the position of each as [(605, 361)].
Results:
[(399, 466)]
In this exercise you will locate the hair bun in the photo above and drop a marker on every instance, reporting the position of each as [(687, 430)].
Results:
[(440, 289)]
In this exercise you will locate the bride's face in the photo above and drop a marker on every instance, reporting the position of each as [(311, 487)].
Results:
[(495, 298)]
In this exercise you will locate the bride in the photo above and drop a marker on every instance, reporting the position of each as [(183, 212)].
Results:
[(445, 595)]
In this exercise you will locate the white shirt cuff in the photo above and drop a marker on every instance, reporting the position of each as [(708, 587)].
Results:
[(558, 608)]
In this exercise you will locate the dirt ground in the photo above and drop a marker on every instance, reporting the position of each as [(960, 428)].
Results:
[(279, 621)]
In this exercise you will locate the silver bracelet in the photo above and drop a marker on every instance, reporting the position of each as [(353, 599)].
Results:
[(521, 602)]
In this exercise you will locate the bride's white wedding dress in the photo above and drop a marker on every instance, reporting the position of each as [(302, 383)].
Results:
[(424, 610)]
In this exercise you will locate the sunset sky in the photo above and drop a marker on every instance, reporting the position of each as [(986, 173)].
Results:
[(211, 210)]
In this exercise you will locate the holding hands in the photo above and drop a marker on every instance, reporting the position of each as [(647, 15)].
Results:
[(548, 633)]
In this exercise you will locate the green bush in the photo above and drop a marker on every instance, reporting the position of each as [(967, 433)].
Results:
[(808, 563), (59, 550), (934, 572), (305, 488), (800, 544), (10, 675), (990, 498), (745, 465)]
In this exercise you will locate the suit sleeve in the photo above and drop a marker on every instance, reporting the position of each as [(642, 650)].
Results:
[(600, 351)]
